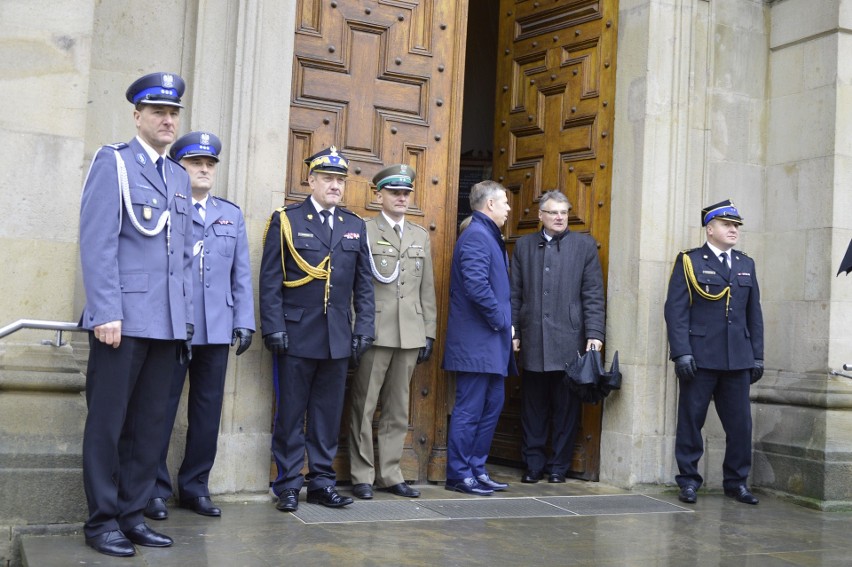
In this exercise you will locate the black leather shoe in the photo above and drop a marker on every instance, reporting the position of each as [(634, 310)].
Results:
[(143, 535), (556, 478), (468, 486), (531, 477), (328, 497), (489, 482), (742, 494), (156, 509), (363, 491), (402, 489), (201, 505), (112, 543), (687, 494), (288, 501)]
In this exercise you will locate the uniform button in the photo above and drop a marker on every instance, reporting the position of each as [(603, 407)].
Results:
[(207, 251), (171, 273), (546, 292), (208, 268), (207, 285), (547, 269)]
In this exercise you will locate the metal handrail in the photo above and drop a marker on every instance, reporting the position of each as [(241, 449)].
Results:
[(58, 326)]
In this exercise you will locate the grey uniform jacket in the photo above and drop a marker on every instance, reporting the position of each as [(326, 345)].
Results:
[(223, 296), (143, 281)]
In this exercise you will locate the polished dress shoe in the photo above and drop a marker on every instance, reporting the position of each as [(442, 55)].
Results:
[(742, 494), (489, 482), (531, 477), (156, 509), (363, 491), (687, 494), (468, 486), (143, 535), (556, 478), (288, 501), (402, 489), (328, 496), (112, 543), (201, 505)]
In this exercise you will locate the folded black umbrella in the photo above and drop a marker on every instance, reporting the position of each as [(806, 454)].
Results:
[(586, 377), (846, 264)]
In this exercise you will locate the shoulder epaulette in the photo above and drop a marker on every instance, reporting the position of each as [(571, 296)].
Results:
[(741, 252), (409, 223), (117, 146), (177, 163), (688, 250), (226, 201), (345, 210)]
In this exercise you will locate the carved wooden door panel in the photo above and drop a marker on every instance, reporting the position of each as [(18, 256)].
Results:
[(553, 126), (379, 80)]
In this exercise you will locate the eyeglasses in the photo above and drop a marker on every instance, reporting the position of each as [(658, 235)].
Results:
[(555, 213)]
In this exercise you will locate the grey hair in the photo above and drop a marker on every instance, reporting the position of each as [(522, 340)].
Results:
[(554, 195), (483, 191)]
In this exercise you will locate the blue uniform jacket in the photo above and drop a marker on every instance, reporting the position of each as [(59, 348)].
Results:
[(299, 310), (143, 281), (223, 295), (717, 341), (479, 327)]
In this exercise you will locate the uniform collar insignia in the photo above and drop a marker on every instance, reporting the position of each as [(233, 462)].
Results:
[(140, 157)]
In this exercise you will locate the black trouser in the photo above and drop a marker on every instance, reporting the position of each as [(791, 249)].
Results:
[(126, 391), (204, 411), (729, 390), (547, 403)]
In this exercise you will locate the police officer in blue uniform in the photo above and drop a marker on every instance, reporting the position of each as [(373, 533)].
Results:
[(224, 313), (136, 255), (715, 331), (314, 273)]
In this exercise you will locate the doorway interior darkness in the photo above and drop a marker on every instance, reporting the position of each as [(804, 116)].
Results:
[(480, 82)]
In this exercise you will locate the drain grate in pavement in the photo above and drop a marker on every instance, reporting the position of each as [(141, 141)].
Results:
[(486, 508)]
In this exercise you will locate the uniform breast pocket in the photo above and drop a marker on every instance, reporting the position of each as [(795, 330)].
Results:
[(744, 280), (226, 238), (350, 244), (306, 243), (417, 257), (182, 220), (385, 261), (710, 281), (147, 205)]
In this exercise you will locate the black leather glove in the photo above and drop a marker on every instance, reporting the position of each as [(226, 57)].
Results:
[(757, 371), (685, 367), (185, 348), (360, 344), (244, 336), (425, 351), (276, 342)]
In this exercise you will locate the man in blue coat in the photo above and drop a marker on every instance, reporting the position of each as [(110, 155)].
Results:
[(479, 340), (224, 313), (136, 256), (715, 330), (314, 273)]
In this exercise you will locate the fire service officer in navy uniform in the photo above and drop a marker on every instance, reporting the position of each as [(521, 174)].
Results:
[(314, 273), (715, 330), (224, 314), (136, 254)]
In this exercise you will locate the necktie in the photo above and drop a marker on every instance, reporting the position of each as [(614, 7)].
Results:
[(398, 230), (326, 215), (200, 210), (724, 258), (160, 169)]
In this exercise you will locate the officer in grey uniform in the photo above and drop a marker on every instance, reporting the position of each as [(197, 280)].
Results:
[(401, 262), (136, 255), (224, 313)]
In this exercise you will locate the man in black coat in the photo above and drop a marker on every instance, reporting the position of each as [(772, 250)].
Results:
[(315, 270), (557, 309), (715, 330)]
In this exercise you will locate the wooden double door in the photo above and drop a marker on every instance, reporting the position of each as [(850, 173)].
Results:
[(383, 81)]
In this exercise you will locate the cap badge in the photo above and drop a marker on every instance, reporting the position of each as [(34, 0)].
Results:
[(168, 81), (205, 139)]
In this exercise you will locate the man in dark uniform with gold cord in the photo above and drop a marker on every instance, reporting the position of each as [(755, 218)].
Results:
[(315, 270), (715, 330), (401, 262)]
